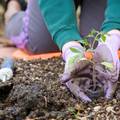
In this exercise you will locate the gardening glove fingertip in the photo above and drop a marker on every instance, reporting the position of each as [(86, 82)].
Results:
[(110, 90), (77, 91)]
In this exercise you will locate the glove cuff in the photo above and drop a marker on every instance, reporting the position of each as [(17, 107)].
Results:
[(67, 53)]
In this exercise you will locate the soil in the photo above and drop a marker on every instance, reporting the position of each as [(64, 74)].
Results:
[(35, 93)]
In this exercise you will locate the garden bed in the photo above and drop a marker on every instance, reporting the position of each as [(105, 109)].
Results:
[(35, 93)]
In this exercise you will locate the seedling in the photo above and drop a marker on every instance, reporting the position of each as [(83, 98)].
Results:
[(73, 112), (89, 48)]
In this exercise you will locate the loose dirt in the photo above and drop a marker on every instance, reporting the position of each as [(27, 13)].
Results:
[(35, 93)]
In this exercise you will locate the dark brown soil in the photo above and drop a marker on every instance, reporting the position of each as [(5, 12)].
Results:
[(35, 93)]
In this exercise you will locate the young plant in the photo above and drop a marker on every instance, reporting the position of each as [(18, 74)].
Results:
[(95, 36), (74, 112)]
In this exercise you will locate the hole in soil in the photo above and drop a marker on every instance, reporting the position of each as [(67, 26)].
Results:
[(28, 110), (94, 90), (4, 91), (94, 93)]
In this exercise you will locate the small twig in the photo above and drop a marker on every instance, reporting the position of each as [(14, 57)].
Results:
[(45, 98)]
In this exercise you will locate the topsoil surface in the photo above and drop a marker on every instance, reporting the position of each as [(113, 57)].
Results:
[(35, 93)]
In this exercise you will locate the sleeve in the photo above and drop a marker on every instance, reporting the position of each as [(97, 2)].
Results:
[(112, 16), (60, 19)]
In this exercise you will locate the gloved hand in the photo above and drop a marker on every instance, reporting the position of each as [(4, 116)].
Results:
[(108, 52), (75, 72)]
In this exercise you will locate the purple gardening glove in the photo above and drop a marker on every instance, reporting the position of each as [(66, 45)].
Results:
[(75, 72), (107, 52)]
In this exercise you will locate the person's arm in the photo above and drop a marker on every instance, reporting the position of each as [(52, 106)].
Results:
[(60, 19), (112, 16)]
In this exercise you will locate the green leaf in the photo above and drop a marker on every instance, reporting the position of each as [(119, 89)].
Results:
[(89, 36), (103, 37), (93, 31), (84, 42), (108, 65), (74, 50), (72, 59), (71, 109)]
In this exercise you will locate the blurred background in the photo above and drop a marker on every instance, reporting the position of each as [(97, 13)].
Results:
[(2, 6)]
